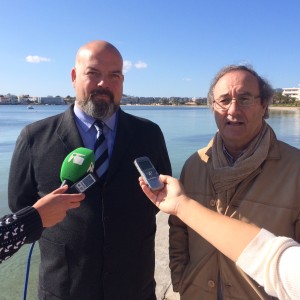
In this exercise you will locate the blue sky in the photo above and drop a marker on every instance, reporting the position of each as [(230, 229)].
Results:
[(170, 47)]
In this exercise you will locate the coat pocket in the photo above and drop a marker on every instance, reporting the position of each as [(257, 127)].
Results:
[(54, 273)]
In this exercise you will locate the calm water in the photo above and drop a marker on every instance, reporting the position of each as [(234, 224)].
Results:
[(186, 129)]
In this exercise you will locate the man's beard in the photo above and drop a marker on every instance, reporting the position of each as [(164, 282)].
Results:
[(97, 108)]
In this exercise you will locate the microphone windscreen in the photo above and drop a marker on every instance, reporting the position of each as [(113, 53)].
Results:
[(77, 164)]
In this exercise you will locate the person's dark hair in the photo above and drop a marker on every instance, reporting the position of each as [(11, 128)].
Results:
[(265, 89)]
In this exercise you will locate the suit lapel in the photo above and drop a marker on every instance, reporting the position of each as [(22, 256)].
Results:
[(123, 141), (68, 132)]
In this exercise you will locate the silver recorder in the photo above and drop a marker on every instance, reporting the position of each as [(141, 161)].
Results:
[(148, 172)]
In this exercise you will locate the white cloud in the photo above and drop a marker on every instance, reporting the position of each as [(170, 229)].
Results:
[(140, 65), (127, 64), (37, 59), (187, 79)]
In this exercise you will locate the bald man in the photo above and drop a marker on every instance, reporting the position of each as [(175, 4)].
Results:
[(105, 248)]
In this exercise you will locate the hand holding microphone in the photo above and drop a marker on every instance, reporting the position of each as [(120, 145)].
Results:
[(76, 171), (53, 207)]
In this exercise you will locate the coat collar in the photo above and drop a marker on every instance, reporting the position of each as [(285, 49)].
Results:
[(67, 130), (123, 141)]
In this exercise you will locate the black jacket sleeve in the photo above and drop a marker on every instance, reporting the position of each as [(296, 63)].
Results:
[(25, 226)]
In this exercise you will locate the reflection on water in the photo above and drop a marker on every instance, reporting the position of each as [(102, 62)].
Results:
[(286, 124)]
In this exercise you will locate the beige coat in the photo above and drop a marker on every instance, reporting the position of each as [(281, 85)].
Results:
[(269, 198)]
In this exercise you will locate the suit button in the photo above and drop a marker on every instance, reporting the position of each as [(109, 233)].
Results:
[(106, 219), (211, 283)]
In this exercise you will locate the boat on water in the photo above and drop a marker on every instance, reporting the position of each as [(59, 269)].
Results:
[(29, 107)]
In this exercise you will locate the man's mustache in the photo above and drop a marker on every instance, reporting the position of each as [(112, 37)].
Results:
[(102, 92)]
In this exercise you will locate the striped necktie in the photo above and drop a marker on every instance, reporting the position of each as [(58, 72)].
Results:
[(100, 150)]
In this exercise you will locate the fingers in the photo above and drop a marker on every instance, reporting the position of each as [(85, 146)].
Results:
[(72, 198), (72, 205), (164, 178), (147, 191), (54, 206), (60, 190)]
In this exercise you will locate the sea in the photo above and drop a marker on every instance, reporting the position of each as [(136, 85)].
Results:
[(186, 129)]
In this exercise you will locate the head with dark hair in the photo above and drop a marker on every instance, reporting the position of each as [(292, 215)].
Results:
[(240, 99), (265, 89)]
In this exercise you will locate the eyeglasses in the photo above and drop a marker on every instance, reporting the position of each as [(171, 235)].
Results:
[(224, 103)]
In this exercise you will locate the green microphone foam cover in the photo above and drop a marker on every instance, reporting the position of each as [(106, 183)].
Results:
[(77, 164)]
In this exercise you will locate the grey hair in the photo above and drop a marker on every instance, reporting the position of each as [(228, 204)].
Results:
[(265, 89)]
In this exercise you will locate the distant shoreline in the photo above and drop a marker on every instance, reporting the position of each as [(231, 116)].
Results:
[(283, 108), (288, 108)]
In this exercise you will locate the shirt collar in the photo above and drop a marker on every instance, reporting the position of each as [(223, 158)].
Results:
[(229, 157)]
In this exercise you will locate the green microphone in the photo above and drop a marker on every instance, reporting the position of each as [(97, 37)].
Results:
[(76, 165)]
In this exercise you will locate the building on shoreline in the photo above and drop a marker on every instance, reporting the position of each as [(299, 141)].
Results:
[(288, 93), (126, 100), (51, 100), (292, 92), (132, 100), (28, 100), (8, 99)]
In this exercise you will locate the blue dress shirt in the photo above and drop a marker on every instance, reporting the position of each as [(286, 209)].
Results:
[(88, 132)]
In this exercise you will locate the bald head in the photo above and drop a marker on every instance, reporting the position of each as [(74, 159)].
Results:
[(94, 48), (98, 79)]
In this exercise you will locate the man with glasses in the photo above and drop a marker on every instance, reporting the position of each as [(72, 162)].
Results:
[(244, 173)]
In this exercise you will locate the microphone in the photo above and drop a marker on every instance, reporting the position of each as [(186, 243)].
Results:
[(77, 163), (76, 170)]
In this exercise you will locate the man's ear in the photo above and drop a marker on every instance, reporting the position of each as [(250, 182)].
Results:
[(265, 111), (73, 76)]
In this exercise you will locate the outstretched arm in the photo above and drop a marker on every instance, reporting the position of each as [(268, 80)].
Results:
[(272, 261), (26, 225), (215, 228)]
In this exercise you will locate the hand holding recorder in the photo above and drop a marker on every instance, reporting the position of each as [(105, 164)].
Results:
[(148, 172), (169, 198)]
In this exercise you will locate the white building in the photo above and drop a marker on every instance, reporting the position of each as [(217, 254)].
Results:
[(292, 92), (25, 99), (51, 100), (8, 99)]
